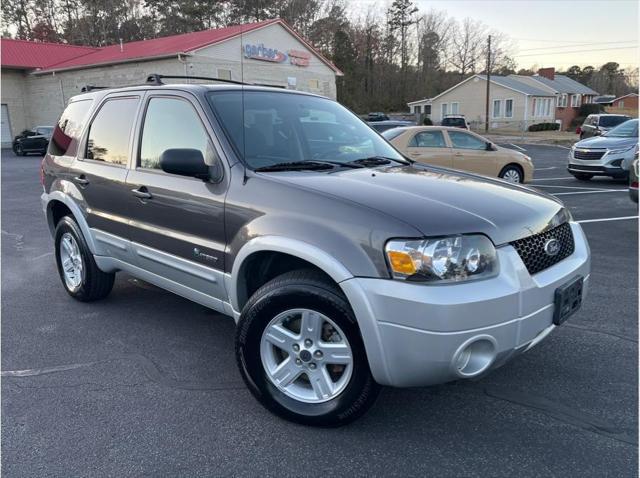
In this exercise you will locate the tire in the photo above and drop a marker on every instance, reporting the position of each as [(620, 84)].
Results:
[(90, 283), (582, 176), (512, 173), (20, 150), (286, 296), (581, 136)]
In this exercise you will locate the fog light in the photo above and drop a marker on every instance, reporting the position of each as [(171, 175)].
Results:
[(475, 356)]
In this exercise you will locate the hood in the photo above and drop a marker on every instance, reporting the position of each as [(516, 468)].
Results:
[(439, 201), (606, 142)]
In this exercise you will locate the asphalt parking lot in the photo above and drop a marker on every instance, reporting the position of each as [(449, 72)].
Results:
[(145, 382)]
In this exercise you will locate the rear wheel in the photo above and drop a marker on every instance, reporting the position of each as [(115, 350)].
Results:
[(582, 176), (300, 351), (512, 174), (78, 270)]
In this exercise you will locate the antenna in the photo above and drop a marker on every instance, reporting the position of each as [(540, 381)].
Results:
[(244, 135)]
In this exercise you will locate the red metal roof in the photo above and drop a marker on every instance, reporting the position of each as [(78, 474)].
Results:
[(25, 54), (145, 49)]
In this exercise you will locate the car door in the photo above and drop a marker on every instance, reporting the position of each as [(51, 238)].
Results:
[(470, 153), (590, 126), (430, 147), (100, 171), (177, 222)]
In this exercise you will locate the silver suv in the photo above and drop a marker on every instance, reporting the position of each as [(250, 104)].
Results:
[(345, 265), (608, 155)]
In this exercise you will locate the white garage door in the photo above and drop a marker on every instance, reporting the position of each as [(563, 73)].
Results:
[(5, 128)]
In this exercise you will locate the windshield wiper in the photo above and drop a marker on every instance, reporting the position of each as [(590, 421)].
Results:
[(378, 160), (305, 165)]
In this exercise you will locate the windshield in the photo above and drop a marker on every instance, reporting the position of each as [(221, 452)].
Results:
[(284, 127), (628, 129), (610, 121)]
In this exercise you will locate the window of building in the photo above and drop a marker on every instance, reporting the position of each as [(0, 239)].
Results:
[(443, 109), (562, 101), (454, 108), (172, 123), (314, 84), (497, 107), (109, 133), (224, 74), (508, 108), (428, 139), (69, 127), (547, 107), (621, 104), (463, 140), (575, 101)]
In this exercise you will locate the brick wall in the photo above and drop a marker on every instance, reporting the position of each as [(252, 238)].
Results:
[(13, 95)]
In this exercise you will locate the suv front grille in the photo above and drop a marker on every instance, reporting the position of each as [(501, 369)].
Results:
[(532, 249), (587, 155)]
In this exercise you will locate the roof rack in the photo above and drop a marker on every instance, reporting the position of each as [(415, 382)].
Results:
[(88, 88), (156, 79)]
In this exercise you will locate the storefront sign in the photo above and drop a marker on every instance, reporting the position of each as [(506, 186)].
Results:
[(262, 53)]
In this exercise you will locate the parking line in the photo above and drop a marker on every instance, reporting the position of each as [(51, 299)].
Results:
[(516, 146), (576, 187), (608, 219), (591, 192), (552, 179), (544, 169)]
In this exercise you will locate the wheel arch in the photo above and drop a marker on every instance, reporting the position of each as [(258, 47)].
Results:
[(514, 165), (59, 204), (295, 253)]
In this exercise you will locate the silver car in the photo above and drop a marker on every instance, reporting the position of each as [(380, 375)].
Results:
[(608, 155)]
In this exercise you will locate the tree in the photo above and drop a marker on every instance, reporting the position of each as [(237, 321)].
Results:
[(467, 46), (401, 15)]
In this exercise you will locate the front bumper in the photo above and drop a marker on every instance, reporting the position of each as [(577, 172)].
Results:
[(416, 334)]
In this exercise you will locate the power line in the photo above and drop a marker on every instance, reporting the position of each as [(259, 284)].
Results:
[(577, 45), (563, 41), (576, 51)]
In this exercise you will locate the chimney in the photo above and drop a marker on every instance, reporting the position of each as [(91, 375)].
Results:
[(549, 73)]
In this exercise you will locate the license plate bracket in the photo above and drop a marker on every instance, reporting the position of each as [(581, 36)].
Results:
[(568, 299)]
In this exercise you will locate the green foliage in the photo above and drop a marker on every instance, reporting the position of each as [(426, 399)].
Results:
[(590, 109), (544, 127), (427, 121)]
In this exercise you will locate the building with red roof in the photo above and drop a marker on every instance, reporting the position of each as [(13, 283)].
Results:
[(39, 78)]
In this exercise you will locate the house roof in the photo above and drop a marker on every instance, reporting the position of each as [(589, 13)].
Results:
[(419, 102), (625, 96), (163, 47), (564, 84), (516, 85), (23, 54), (604, 99)]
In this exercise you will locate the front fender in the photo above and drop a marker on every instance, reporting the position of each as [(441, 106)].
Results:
[(48, 200)]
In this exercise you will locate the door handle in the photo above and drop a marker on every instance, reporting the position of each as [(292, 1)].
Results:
[(81, 180), (414, 153), (141, 193), (458, 154)]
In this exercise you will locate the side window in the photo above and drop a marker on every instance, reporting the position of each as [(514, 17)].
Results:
[(66, 134), (428, 139), (171, 123), (466, 141), (109, 133)]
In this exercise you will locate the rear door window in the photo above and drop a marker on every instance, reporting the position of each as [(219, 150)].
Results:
[(67, 131), (110, 131)]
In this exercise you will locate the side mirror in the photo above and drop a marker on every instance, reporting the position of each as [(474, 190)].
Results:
[(490, 146), (184, 162)]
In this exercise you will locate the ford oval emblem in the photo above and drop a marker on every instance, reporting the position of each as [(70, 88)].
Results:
[(552, 247)]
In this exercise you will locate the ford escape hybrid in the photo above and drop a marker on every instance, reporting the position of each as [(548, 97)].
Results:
[(345, 265)]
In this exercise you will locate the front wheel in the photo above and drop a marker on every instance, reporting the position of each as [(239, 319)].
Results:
[(19, 150), (300, 352), (512, 174)]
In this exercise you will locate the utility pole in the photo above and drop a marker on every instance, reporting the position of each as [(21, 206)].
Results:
[(486, 109)]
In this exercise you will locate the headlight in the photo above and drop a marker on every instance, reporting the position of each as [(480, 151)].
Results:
[(442, 259), (621, 150)]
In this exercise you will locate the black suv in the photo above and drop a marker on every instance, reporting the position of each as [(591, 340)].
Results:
[(32, 141)]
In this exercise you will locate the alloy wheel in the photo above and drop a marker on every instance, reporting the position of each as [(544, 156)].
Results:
[(71, 261)]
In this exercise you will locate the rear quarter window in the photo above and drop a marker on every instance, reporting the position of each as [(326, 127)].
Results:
[(66, 134)]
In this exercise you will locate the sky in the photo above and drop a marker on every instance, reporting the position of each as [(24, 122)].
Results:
[(545, 33)]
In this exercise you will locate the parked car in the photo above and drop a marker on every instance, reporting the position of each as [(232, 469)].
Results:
[(345, 265), (381, 126), (606, 155), (597, 124), (456, 121), (633, 180), (463, 150), (32, 141), (377, 116)]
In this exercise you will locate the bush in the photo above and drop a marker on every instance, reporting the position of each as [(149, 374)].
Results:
[(427, 121), (544, 127)]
